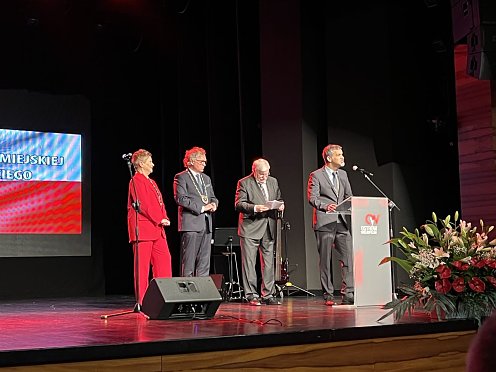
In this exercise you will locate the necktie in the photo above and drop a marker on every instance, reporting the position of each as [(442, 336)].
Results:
[(266, 197), (335, 181), (200, 183)]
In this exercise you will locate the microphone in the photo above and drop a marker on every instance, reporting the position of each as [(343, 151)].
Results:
[(127, 156), (363, 171)]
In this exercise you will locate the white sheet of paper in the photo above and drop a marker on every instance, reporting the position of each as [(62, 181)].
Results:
[(273, 204)]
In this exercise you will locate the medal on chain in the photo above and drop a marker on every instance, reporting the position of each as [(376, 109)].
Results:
[(203, 197)]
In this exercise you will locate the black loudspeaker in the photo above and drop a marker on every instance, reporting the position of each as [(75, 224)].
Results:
[(482, 65), (484, 12), (481, 41), (481, 57), (467, 15), (181, 298), (462, 15)]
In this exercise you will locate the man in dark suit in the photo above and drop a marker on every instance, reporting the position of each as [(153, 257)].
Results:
[(327, 187), (194, 195), (257, 230)]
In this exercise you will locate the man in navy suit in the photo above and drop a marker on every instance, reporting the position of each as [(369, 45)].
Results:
[(196, 201), (327, 187), (257, 230)]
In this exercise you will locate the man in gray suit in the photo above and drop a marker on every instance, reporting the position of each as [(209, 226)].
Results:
[(257, 230), (327, 187), (194, 195)]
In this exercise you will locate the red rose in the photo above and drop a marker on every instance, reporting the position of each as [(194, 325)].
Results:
[(442, 286), (459, 284), (476, 285), (492, 280), (478, 263), (460, 265), (444, 271), (491, 262)]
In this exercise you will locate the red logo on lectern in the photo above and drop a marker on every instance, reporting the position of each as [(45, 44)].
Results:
[(372, 219)]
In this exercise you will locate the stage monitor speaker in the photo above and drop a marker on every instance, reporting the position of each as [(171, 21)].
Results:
[(181, 298)]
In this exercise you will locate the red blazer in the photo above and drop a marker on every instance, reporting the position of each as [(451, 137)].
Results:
[(151, 209)]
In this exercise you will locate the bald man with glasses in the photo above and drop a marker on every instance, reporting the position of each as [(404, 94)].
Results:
[(257, 231)]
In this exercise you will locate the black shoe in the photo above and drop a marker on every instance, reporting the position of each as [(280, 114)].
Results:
[(270, 301), (348, 299)]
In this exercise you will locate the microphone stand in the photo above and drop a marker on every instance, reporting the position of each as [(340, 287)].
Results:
[(136, 207), (229, 291), (391, 205), (288, 285)]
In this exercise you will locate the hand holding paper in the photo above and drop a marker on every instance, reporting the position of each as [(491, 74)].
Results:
[(273, 204)]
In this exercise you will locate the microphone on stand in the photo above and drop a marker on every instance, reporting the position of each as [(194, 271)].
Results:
[(363, 171), (127, 156)]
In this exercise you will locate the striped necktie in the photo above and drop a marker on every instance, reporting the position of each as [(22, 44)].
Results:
[(335, 181), (266, 197), (200, 183)]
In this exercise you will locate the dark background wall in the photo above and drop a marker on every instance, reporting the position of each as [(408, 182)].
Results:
[(168, 75)]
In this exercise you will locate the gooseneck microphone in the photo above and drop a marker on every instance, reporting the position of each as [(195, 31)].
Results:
[(363, 171), (127, 156)]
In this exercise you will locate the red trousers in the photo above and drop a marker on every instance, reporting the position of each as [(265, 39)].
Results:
[(156, 253)]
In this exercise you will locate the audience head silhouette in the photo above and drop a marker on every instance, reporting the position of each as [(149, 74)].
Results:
[(480, 357)]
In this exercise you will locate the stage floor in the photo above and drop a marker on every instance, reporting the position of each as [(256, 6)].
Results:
[(71, 329)]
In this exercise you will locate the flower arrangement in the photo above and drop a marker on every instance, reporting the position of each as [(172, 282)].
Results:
[(453, 268)]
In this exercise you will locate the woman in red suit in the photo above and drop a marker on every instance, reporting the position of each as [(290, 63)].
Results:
[(146, 218)]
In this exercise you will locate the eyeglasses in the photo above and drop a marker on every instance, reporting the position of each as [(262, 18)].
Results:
[(204, 162)]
